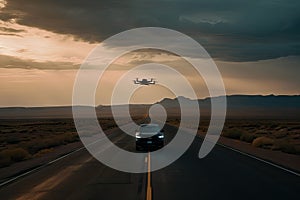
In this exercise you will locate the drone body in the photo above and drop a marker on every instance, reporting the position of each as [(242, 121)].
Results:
[(144, 81)]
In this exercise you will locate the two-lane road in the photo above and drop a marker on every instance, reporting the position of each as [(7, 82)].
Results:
[(223, 174)]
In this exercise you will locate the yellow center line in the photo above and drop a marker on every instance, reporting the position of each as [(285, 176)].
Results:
[(149, 188)]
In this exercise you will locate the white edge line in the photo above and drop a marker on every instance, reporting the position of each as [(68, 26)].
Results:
[(260, 159), (251, 156), (57, 159), (46, 164), (38, 168), (254, 157)]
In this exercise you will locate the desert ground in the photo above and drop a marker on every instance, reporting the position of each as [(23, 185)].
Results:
[(273, 134), (23, 139)]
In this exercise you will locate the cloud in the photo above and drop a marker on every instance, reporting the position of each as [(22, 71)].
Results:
[(14, 62), (10, 30), (275, 76), (2, 4), (29, 43), (231, 30)]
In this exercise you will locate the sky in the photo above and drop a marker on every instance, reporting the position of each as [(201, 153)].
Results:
[(255, 44)]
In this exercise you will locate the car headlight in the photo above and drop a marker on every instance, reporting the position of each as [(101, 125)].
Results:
[(161, 136), (137, 135)]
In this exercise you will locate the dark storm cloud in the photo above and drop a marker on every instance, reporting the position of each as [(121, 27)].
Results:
[(229, 29)]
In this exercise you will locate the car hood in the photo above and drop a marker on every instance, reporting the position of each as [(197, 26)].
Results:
[(148, 134)]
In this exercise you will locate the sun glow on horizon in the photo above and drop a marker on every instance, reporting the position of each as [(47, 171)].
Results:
[(29, 43)]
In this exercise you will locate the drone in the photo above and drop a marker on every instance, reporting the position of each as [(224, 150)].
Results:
[(144, 81)]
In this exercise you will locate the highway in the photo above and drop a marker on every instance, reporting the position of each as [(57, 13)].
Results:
[(223, 174)]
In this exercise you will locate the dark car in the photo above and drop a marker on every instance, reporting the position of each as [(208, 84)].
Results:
[(149, 136)]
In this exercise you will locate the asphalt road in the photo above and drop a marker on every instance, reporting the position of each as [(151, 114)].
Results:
[(223, 174)]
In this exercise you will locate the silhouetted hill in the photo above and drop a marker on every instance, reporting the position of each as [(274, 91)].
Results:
[(238, 106), (257, 106), (249, 106)]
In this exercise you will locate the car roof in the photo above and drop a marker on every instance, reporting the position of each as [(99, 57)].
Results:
[(150, 125), (149, 128)]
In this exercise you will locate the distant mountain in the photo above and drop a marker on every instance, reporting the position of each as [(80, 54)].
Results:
[(270, 106), (238, 106), (263, 101), (35, 112), (249, 106)]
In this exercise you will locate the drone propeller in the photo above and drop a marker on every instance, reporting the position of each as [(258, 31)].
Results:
[(136, 81)]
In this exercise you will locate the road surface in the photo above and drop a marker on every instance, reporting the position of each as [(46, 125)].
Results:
[(223, 174)]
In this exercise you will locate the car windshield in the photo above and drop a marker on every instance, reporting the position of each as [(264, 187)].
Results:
[(149, 129)]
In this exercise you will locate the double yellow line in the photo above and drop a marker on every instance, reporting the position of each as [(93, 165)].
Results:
[(149, 188)]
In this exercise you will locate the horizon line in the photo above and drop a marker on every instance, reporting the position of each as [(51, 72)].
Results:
[(60, 106)]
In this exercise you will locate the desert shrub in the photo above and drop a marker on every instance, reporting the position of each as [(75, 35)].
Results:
[(286, 146), (247, 125), (296, 136), (18, 154), (261, 132), (4, 159), (108, 126), (66, 138), (297, 127), (246, 137), (43, 151), (36, 145), (13, 155), (233, 133), (280, 134), (12, 140), (273, 125), (262, 142)]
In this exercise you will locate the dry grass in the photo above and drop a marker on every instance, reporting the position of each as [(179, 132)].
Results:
[(263, 142), (246, 137), (285, 145), (233, 133), (9, 156), (39, 144), (277, 135), (43, 152), (24, 139)]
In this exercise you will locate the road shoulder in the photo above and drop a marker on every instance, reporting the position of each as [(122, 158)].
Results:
[(286, 160)]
